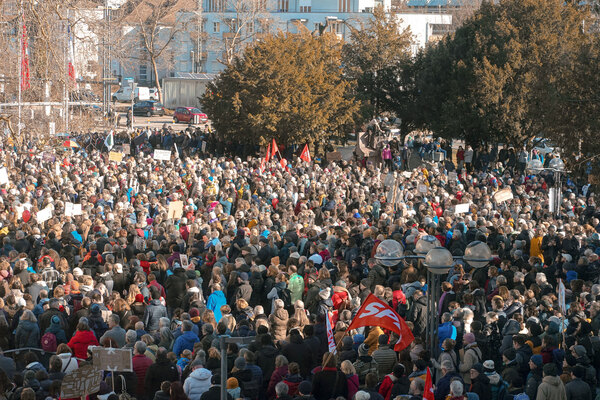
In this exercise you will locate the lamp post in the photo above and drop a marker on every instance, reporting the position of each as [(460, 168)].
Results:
[(557, 167), (422, 248), (438, 262)]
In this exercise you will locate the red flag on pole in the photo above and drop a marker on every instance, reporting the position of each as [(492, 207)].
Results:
[(274, 148), (375, 312), (428, 392), (25, 83), (330, 339), (305, 155), (262, 166), (268, 155), (72, 74)]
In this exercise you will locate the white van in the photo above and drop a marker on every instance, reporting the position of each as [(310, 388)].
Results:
[(124, 94)]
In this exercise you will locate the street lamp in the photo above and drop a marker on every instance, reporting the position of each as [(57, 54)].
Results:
[(426, 243), (389, 253), (477, 254), (535, 165), (557, 167), (438, 262)]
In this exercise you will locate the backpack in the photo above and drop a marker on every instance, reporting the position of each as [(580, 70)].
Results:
[(49, 342), (286, 296)]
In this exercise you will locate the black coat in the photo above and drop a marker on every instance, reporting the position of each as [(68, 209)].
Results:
[(329, 384), (175, 288), (160, 371), (418, 315), (481, 386), (214, 393), (578, 390), (299, 352)]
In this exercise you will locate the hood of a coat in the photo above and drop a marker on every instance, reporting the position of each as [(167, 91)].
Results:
[(553, 381), (281, 315), (201, 374)]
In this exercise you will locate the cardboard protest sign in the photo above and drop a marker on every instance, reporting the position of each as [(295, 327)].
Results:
[(110, 359), (275, 261), (183, 258), (126, 148), (462, 208), (503, 195), (3, 176), (115, 156), (81, 382), (162, 155), (334, 156), (175, 209), (43, 215), (68, 209)]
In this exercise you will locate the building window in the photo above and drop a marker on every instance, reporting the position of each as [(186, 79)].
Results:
[(344, 5), (283, 5), (250, 27), (216, 27), (143, 72), (304, 9), (215, 5)]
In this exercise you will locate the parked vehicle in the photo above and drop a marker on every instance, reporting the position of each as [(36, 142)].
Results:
[(154, 94), (125, 94), (148, 108), (190, 115)]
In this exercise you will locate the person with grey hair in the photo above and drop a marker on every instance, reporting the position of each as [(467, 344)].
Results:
[(186, 340), (457, 390), (115, 332), (130, 339), (449, 374), (141, 364), (281, 391)]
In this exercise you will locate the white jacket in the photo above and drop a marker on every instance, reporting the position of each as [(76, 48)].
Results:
[(197, 383)]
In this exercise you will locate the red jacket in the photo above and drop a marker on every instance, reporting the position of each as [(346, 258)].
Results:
[(80, 342), (141, 363), (385, 389)]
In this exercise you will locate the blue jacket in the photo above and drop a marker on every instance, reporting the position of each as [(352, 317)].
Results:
[(215, 301), (185, 341), (445, 331)]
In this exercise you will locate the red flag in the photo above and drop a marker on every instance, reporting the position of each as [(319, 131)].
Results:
[(72, 75), (25, 84), (305, 155), (375, 312), (262, 164), (268, 155), (274, 148), (428, 392), (283, 163)]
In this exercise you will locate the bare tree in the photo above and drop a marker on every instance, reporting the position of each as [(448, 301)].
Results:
[(159, 22), (243, 20)]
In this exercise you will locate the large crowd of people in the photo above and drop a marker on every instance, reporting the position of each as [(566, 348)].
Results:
[(270, 251)]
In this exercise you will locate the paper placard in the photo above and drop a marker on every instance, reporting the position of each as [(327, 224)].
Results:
[(110, 359), (115, 156), (275, 261), (3, 176), (407, 174), (183, 258), (334, 156), (462, 208), (422, 188), (126, 149), (162, 155), (77, 209), (81, 382), (68, 209), (503, 195), (175, 209), (43, 215), (452, 176)]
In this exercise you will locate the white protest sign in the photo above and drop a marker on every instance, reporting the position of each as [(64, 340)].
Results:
[(43, 215), (162, 155), (77, 209), (68, 209), (3, 176), (452, 176), (503, 195), (462, 208), (422, 188)]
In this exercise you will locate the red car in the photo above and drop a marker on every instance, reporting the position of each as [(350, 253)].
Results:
[(190, 115)]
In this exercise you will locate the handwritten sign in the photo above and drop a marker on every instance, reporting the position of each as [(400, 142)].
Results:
[(43, 215), (183, 258), (422, 188), (334, 156), (162, 155), (175, 209), (109, 359), (115, 156), (81, 382), (503, 195), (462, 208), (126, 148), (3, 176)]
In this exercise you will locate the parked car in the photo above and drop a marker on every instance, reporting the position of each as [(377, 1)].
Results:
[(190, 115), (154, 94), (148, 108), (125, 94), (544, 146)]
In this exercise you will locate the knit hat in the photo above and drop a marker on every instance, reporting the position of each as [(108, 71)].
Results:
[(77, 272), (363, 350), (244, 276), (194, 312), (240, 363), (55, 320), (537, 360), (579, 350), (95, 309), (232, 383), (139, 298), (510, 354), (478, 367), (469, 338), (325, 293), (488, 366), (305, 387)]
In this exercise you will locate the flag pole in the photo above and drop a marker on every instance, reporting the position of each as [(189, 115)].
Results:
[(20, 72)]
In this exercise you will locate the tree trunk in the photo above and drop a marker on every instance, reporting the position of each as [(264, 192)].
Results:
[(156, 80)]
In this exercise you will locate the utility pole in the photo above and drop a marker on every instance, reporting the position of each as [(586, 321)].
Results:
[(199, 25)]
